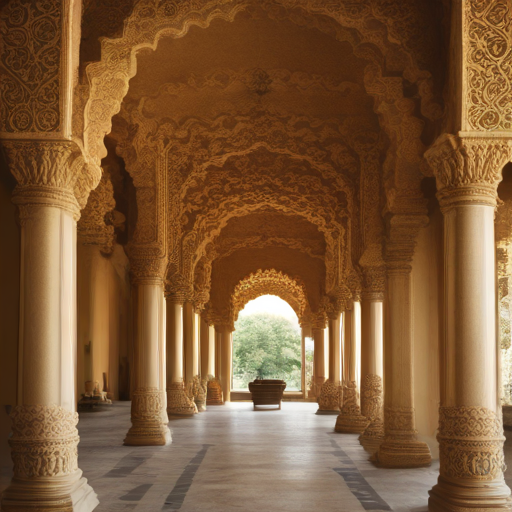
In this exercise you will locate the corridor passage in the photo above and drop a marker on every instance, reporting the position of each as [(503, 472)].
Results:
[(231, 458)]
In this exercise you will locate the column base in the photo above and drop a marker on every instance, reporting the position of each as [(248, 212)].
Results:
[(149, 419), (178, 403), (351, 424), (461, 496), (329, 399), (214, 393), (148, 435), (373, 436), (49, 494), (196, 393), (403, 453)]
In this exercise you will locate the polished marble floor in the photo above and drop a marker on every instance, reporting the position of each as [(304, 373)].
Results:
[(232, 458)]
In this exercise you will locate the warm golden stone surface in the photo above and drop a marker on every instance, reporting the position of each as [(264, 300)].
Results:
[(166, 162)]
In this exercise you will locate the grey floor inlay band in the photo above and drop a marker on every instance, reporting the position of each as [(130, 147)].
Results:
[(356, 482), (177, 496), (136, 494), (125, 466)]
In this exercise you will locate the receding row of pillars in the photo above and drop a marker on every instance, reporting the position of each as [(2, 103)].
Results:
[(46, 473)]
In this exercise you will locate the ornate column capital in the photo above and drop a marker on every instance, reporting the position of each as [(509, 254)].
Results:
[(176, 292), (374, 283), (147, 270), (319, 320), (401, 241), (92, 228), (468, 169), (50, 173)]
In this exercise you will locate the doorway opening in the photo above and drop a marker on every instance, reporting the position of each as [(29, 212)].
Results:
[(267, 344)]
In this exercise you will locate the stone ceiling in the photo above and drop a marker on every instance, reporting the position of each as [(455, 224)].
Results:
[(262, 143)]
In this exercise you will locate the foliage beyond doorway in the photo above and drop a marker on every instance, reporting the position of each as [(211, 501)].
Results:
[(266, 346)]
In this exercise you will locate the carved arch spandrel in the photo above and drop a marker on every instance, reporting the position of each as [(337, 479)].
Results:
[(149, 21)]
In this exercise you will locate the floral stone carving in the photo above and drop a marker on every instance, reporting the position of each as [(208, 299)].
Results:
[(350, 419)]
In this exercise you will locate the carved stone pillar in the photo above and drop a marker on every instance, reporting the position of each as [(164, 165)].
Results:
[(194, 385), (149, 416), (318, 379), (372, 369), (178, 402), (226, 352), (204, 342), (470, 420), (400, 448), (329, 399), (44, 437), (350, 419)]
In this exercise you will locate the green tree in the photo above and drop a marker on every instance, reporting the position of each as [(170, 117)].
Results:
[(268, 347)]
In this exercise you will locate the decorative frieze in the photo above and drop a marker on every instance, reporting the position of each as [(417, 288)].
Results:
[(30, 65), (470, 443), (44, 441), (487, 32)]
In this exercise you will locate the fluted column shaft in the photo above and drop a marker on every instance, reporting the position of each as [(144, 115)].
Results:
[(210, 367), (226, 342), (372, 369), (204, 338), (470, 418), (44, 438), (149, 416), (329, 399), (400, 448), (318, 358), (335, 348), (190, 342), (178, 403), (195, 388), (350, 419)]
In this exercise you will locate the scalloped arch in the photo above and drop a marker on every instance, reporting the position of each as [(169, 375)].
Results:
[(270, 282), (152, 20)]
